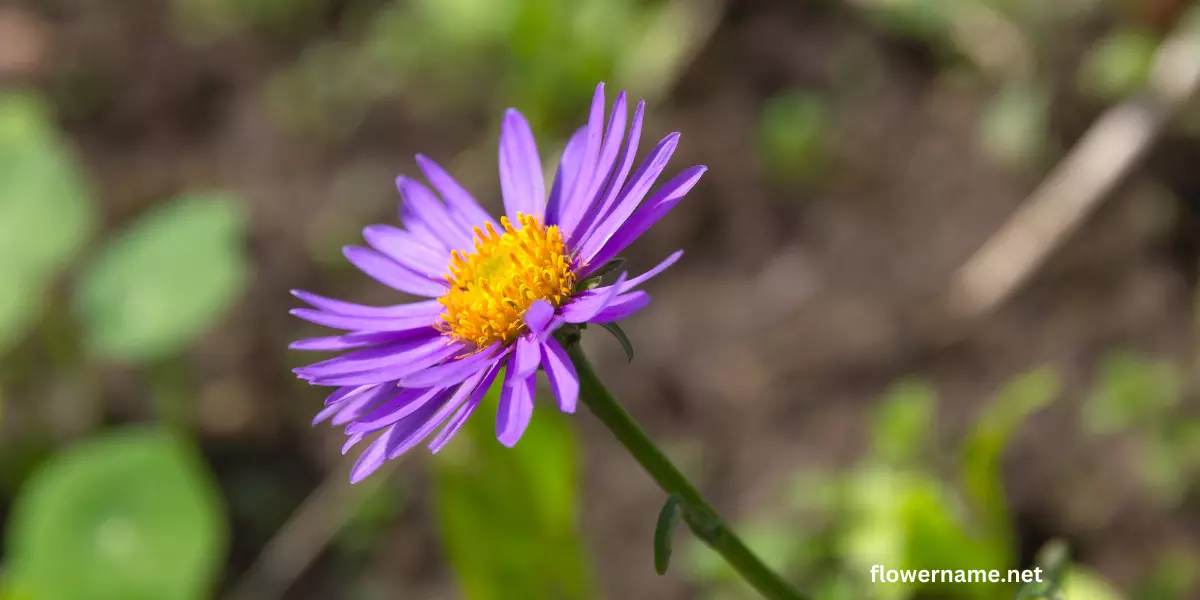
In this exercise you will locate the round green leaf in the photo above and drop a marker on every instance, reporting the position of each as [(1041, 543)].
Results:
[(165, 280), (131, 515), (46, 213)]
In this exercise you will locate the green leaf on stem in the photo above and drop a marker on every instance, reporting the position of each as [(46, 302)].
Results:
[(619, 333), (668, 519)]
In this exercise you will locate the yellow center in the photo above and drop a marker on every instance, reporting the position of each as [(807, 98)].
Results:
[(493, 286)]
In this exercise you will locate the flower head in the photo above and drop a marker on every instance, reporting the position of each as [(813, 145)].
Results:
[(498, 291)]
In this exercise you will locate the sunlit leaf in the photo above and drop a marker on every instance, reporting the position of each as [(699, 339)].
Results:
[(164, 280), (1118, 64), (508, 517), (792, 135), (1131, 392), (1082, 583), (46, 214), (903, 425), (1013, 125), (983, 450), (131, 515)]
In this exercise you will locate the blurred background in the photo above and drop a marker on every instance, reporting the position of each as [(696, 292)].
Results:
[(889, 342)]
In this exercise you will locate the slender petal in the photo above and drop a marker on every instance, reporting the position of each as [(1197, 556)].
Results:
[(636, 281), (455, 371), (429, 424), (516, 407), (404, 248), (648, 214), (349, 341), (359, 405), (457, 198), (561, 372), (600, 210), (521, 179), (538, 316), (607, 157), (392, 274), (526, 358), (622, 307), (583, 310), (464, 412), (404, 403), (431, 356), (633, 193), (433, 214), (412, 309), (577, 191), (568, 171)]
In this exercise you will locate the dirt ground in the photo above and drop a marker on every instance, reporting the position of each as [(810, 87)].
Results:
[(792, 310)]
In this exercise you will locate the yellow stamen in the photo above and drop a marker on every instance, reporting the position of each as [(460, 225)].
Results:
[(491, 288)]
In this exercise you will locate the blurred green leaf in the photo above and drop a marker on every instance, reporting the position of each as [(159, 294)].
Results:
[(664, 532), (46, 214), (903, 424), (1118, 64), (1172, 577), (164, 280), (508, 516), (1084, 584), (1132, 392), (1054, 561), (1013, 125), (984, 447), (792, 133), (131, 515)]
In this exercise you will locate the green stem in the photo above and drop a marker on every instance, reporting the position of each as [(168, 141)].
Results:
[(700, 517)]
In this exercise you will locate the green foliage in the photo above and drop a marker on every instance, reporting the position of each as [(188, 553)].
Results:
[(1131, 392), (792, 134), (668, 519), (508, 516), (46, 214), (131, 515), (1013, 126), (1118, 64), (164, 280), (894, 508)]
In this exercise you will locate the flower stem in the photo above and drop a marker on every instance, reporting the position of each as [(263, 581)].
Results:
[(700, 517)]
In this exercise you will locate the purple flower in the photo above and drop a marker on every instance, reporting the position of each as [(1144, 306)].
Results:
[(498, 290)]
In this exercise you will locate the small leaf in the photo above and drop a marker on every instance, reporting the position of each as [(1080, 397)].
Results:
[(130, 515), (619, 333), (1132, 392), (903, 424), (984, 447), (668, 519), (608, 267), (1013, 127), (1054, 560), (791, 136), (165, 280), (1118, 64)]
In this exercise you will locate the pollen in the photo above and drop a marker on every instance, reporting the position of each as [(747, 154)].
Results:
[(492, 286)]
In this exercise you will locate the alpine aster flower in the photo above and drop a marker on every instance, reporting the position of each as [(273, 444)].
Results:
[(498, 290)]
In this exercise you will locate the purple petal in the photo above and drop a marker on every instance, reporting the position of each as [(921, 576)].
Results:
[(398, 407), (622, 307), (538, 316), (633, 193), (365, 324), (568, 170), (526, 358), (454, 371), (649, 214), (412, 309), (561, 372), (456, 422), (636, 281), (349, 341), (351, 441), (404, 248), (432, 356), (371, 460), (429, 210), (343, 393), (516, 408), (578, 189), (600, 210), (457, 198), (357, 406), (392, 274), (608, 155), (582, 310), (432, 422), (377, 356), (521, 179)]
